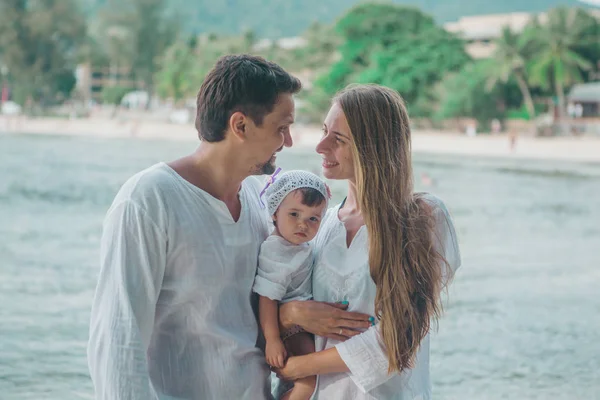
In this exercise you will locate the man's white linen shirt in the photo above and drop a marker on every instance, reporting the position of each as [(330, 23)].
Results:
[(172, 317)]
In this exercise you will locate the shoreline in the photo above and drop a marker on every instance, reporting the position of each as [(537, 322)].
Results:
[(573, 149)]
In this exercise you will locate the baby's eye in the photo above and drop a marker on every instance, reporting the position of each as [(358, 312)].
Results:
[(294, 214), (314, 219)]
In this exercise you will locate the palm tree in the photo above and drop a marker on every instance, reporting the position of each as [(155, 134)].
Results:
[(175, 66), (509, 60), (555, 44)]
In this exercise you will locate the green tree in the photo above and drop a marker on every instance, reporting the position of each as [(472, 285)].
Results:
[(153, 33), (590, 48), (185, 63), (313, 60), (464, 94), (555, 46), (284, 18), (135, 35), (510, 61), (322, 43), (399, 47), (39, 41), (114, 94), (175, 76)]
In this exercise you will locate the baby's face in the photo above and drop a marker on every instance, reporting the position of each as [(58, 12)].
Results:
[(296, 222)]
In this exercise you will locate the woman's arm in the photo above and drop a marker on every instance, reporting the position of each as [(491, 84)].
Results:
[(329, 320), (366, 359), (445, 241), (363, 355)]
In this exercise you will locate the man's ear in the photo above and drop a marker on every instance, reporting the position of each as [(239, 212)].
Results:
[(238, 124)]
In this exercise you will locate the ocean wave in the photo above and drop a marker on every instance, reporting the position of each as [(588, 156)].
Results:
[(64, 195)]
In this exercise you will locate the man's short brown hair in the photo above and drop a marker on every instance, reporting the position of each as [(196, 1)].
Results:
[(244, 83)]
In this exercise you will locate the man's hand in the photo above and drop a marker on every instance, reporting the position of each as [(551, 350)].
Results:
[(324, 319)]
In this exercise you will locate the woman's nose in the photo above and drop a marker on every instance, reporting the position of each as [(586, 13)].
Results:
[(322, 146)]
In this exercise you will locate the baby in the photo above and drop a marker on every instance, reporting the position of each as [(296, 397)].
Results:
[(296, 201)]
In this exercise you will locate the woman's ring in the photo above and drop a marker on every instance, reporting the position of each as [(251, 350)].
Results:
[(341, 330)]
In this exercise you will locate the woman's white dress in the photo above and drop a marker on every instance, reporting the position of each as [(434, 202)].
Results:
[(342, 273)]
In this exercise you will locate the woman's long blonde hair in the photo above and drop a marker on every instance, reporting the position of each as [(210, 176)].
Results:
[(403, 263)]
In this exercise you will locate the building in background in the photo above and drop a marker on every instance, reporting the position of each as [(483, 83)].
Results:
[(92, 80), (480, 31), (583, 108), (584, 100)]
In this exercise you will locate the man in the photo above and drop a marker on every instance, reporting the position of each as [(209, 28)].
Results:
[(172, 317)]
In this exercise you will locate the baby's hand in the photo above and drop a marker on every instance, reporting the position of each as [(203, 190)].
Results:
[(276, 354)]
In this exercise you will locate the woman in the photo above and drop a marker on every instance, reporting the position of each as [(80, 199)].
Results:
[(385, 250)]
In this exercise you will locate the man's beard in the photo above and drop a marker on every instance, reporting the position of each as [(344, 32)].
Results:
[(264, 169), (268, 168)]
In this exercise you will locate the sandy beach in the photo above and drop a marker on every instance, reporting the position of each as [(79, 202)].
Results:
[(579, 149)]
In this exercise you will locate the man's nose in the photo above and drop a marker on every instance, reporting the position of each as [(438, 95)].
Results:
[(287, 139)]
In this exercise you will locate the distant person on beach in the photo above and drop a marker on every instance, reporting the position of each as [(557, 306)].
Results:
[(471, 130), (496, 126), (174, 315), (512, 139), (296, 201), (426, 180), (384, 250)]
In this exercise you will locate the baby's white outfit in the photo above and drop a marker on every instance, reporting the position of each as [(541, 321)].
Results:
[(284, 270)]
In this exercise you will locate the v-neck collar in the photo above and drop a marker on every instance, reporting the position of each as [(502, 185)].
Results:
[(341, 224), (218, 205)]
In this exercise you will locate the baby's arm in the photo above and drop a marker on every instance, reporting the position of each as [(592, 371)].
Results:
[(268, 312)]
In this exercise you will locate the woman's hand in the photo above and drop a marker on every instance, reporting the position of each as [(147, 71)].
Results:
[(329, 320), (318, 363), (292, 370), (275, 353)]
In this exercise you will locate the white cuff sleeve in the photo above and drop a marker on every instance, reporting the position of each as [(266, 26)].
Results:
[(133, 259), (266, 288), (445, 242), (366, 359)]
